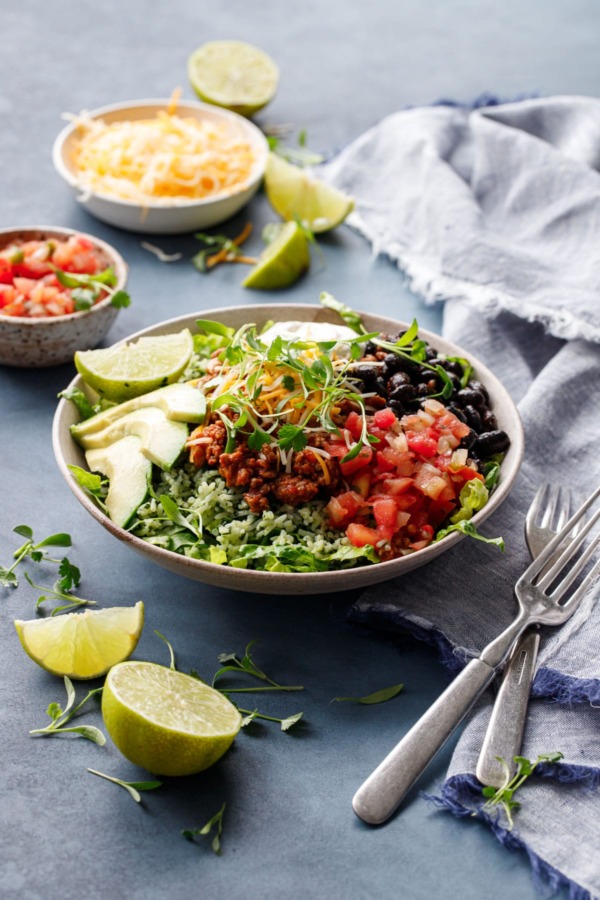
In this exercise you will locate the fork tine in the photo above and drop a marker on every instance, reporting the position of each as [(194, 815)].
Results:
[(544, 557), (550, 506), (565, 509), (584, 587), (536, 505), (567, 553), (574, 571)]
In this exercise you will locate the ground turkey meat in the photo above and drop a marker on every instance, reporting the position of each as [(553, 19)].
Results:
[(258, 472)]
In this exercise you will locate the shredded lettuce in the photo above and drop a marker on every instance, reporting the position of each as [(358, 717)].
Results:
[(473, 497)]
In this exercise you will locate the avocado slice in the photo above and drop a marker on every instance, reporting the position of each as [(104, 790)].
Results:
[(179, 402), (128, 472), (161, 439)]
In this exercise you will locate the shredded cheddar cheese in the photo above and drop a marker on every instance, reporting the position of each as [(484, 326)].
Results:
[(161, 159)]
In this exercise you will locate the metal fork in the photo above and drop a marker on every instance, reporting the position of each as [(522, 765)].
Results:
[(542, 596), (548, 513)]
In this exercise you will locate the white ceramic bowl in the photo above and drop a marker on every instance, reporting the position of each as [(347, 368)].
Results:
[(67, 453), (37, 343), (170, 216)]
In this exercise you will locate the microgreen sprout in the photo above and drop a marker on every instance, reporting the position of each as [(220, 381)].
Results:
[(70, 578), (94, 485), (132, 787), (171, 651), (286, 724), (300, 155), (503, 796), (32, 550), (247, 665), (377, 697), (216, 822), (60, 717)]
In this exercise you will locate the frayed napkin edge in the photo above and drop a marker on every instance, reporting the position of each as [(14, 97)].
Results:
[(459, 790)]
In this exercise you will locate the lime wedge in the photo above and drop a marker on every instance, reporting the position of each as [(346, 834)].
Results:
[(282, 262), (125, 371), (233, 74), (295, 194), (167, 722), (83, 644)]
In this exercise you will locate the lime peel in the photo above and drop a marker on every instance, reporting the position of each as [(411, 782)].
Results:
[(82, 645), (283, 260), (234, 75), (297, 195), (165, 721)]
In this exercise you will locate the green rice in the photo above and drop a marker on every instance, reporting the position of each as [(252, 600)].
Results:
[(214, 523)]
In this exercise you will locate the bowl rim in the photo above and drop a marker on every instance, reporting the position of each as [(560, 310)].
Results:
[(65, 171), (117, 262), (255, 578)]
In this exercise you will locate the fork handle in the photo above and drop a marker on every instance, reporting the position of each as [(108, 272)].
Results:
[(385, 789), (504, 734)]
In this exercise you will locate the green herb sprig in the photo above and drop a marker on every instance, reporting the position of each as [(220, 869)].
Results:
[(60, 717), (132, 787), (31, 550), (216, 822), (87, 288), (70, 578), (504, 795), (286, 724), (300, 155), (247, 665)]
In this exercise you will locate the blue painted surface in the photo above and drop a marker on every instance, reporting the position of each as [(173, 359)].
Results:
[(289, 829)]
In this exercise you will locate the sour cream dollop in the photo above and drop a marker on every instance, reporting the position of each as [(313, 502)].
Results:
[(310, 331)]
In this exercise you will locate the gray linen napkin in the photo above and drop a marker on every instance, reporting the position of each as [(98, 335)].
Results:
[(499, 210)]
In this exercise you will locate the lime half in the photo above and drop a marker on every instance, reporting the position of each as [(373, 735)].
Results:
[(295, 194), (233, 74), (127, 370), (282, 262), (85, 644), (167, 722)]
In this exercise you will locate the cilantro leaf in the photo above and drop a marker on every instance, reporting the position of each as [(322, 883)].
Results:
[(291, 437)]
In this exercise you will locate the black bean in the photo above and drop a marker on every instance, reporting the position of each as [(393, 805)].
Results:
[(455, 381), (366, 373), (489, 421), (452, 366), (423, 390), (471, 397), (390, 364), (370, 348), (404, 393), (380, 386), (469, 439), (491, 442), (398, 379), (473, 418), (398, 408), (478, 386), (431, 354), (456, 411)]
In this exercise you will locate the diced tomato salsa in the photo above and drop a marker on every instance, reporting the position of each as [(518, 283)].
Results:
[(401, 488), (29, 287)]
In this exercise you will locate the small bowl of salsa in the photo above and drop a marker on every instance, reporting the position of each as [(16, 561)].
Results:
[(60, 291)]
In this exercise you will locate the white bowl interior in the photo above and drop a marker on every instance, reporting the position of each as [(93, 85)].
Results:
[(68, 453)]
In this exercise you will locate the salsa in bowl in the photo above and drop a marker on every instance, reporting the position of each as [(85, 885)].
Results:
[(60, 291), (307, 475)]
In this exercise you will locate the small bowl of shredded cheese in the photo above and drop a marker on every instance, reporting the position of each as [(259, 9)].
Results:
[(160, 166)]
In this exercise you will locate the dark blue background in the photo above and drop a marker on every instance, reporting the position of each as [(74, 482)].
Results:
[(289, 829)]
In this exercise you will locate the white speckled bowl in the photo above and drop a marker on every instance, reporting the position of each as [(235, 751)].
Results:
[(37, 343), (67, 453), (172, 216)]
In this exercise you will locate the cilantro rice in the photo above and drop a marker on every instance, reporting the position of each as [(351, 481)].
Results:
[(292, 539)]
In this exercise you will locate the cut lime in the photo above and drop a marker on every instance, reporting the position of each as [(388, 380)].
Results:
[(167, 722), (127, 370), (233, 74), (85, 644), (282, 262), (295, 194)]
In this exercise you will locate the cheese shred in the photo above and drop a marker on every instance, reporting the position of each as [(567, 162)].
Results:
[(162, 159)]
